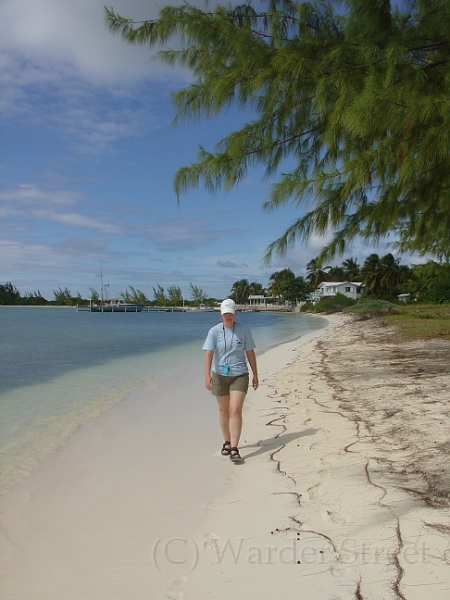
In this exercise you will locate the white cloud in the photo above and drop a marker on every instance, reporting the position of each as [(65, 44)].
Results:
[(52, 33), (28, 194), (81, 246), (27, 256), (31, 203), (230, 264), (76, 220), (62, 69), (31, 265), (175, 235), (89, 117), (227, 264)]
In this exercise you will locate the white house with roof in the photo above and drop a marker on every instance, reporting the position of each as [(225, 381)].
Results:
[(351, 289)]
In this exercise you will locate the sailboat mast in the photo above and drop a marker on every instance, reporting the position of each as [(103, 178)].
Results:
[(101, 277)]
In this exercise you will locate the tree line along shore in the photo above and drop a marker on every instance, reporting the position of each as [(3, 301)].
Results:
[(383, 278)]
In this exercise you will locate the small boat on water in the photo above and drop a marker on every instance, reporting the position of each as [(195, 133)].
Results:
[(104, 304), (201, 308), (110, 306)]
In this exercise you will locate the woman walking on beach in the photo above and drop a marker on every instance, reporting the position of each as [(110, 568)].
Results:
[(227, 346)]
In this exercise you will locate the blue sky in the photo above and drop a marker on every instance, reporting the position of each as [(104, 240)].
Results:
[(87, 158)]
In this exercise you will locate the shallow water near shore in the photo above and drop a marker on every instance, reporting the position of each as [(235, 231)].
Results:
[(60, 369)]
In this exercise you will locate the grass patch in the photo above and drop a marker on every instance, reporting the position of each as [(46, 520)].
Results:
[(414, 321), (371, 307), (422, 321)]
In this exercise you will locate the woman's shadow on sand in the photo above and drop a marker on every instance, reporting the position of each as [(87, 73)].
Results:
[(274, 443)]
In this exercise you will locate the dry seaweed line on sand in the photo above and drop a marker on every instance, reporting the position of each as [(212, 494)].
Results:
[(395, 397)]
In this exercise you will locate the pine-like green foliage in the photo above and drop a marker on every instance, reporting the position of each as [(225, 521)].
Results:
[(133, 296), (197, 293), (359, 100), (175, 295)]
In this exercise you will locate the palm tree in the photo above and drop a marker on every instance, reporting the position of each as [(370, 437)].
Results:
[(392, 273), (298, 289), (256, 289), (240, 291), (280, 281), (351, 269), (336, 274), (372, 274), (315, 273)]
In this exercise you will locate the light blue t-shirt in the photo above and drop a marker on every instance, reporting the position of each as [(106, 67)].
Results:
[(229, 345)]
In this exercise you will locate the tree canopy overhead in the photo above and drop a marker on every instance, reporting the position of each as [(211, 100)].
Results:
[(355, 94)]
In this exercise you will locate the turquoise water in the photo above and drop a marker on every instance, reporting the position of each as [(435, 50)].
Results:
[(60, 368)]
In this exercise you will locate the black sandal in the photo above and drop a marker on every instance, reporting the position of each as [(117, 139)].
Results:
[(234, 454), (225, 451)]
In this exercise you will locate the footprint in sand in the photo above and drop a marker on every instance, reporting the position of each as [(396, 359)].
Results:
[(336, 517), (316, 445), (325, 471), (230, 478), (211, 541), (174, 592), (213, 504), (315, 491)]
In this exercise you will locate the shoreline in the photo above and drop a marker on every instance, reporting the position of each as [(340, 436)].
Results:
[(119, 483), (316, 510)]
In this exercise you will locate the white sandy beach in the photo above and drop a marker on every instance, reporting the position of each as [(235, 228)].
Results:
[(343, 492)]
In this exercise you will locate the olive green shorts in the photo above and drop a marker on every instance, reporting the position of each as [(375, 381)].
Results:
[(224, 384)]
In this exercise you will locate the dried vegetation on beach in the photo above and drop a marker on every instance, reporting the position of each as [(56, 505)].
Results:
[(371, 469), (397, 389)]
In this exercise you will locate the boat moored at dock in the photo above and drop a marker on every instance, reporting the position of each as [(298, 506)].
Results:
[(112, 306)]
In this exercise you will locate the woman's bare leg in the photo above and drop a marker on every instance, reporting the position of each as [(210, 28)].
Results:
[(230, 416), (224, 416), (235, 421)]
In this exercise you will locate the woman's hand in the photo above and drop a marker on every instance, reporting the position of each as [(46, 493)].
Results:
[(208, 363), (252, 361)]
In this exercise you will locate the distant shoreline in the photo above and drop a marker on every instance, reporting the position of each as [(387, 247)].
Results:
[(34, 306)]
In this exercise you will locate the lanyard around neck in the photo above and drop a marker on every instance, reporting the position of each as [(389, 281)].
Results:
[(225, 339)]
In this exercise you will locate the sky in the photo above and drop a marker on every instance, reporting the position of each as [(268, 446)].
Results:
[(88, 154)]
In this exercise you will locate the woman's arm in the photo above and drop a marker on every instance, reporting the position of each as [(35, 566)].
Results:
[(252, 362), (208, 364)]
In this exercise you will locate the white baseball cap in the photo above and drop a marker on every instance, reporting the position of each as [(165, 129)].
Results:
[(228, 306)]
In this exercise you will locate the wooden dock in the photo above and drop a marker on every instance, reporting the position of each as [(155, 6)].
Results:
[(133, 308)]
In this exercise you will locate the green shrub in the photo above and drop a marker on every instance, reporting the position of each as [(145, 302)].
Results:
[(307, 307), (335, 303)]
